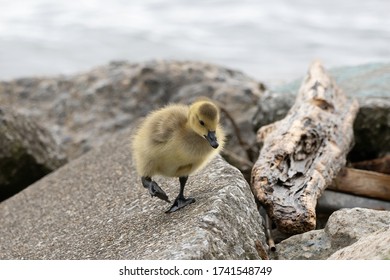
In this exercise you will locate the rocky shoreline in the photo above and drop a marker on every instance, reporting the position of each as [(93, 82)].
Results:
[(94, 207)]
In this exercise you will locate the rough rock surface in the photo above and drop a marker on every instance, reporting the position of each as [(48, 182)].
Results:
[(370, 84), (83, 110), (375, 246), (27, 152), (96, 208), (344, 228)]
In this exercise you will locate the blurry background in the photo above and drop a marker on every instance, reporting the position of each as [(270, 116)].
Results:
[(269, 40)]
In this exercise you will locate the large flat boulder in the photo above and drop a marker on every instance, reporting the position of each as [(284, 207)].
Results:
[(96, 208)]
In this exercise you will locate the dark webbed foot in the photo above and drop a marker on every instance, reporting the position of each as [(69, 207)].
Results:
[(154, 189), (180, 200), (180, 203)]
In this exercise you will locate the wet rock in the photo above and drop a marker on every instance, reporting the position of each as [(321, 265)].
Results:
[(27, 152), (370, 84), (344, 228), (96, 208)]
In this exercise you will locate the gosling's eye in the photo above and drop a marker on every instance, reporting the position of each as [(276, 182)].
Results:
[(201, 123)]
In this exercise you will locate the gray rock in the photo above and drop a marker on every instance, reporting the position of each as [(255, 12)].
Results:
[(374, 246), (349, 225), (27, 152), (370, 84), (96, 208), (311, 245), (344, 227), (83, 110), (331, 201)]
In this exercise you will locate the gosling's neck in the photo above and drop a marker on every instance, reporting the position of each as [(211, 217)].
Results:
[(197, 143)]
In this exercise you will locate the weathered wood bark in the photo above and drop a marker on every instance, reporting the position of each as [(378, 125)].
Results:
[(363, 183), (303, 152)]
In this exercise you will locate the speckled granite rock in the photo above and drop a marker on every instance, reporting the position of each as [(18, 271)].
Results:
[(27, 152), (96, 208), (344, 228), (369, 83)]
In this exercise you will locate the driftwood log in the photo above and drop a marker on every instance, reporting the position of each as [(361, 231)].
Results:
[(363, 183), (381, 165), (303, 152)]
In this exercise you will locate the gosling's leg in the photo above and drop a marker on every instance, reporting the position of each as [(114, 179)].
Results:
[(154, 188), (180, 200)]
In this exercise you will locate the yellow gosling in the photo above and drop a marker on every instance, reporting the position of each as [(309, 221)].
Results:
[(176, 141)]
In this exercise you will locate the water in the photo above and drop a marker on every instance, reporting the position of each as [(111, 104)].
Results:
[(269, 40)]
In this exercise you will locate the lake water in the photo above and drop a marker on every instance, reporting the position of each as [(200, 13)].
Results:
[(269, 40)]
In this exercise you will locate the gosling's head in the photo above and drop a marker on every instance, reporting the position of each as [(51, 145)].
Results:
[(204, 118)]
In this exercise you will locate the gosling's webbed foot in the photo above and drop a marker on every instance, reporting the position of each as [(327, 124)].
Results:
[(180, 203), (154, 189)]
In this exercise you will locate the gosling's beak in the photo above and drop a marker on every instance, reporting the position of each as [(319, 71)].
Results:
[(212, 139)]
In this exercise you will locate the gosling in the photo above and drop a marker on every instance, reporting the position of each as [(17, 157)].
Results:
[(176, 141)]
